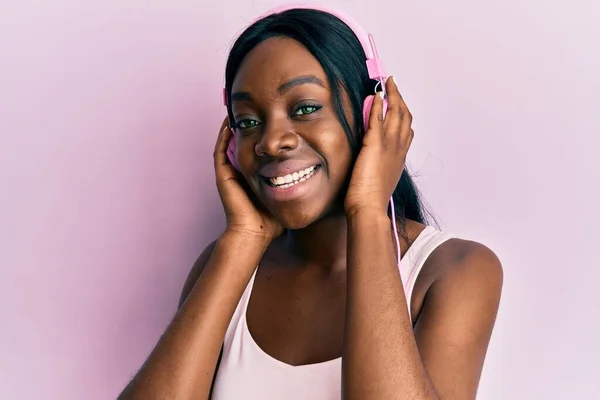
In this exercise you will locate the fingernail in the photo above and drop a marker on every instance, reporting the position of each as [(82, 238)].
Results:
[(381, 95), (394, 80)]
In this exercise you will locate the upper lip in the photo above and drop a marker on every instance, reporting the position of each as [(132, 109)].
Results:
[(282, 168)]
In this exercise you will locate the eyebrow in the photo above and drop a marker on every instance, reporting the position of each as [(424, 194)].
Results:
[(283, 88), (299, 80)]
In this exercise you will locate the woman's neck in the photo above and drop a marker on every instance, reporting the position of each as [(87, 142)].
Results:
[(321, 244)]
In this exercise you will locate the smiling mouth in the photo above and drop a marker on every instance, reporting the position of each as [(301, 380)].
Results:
[(290, 180)]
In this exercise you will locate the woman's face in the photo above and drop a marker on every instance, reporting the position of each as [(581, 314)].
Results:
[(290, 144)]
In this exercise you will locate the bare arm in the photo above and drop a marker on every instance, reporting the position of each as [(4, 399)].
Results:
[(195, 272), (182, 364), (457, 319), (383, 358)]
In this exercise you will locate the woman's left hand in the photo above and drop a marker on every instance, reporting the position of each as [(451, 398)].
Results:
[(383, 155)]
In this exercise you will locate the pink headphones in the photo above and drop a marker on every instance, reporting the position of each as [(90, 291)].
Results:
[(374, 67)]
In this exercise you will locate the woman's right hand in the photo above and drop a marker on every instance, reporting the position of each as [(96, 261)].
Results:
[(243, 212)]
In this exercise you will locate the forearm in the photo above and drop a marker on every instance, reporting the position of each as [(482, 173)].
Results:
[(380, 357), (182, 364)]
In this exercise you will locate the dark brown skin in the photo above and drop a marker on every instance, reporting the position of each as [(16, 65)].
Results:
[(329, 286)]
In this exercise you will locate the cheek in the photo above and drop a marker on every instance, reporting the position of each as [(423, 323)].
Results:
[(244, 156), (244, 151), (338, 154)]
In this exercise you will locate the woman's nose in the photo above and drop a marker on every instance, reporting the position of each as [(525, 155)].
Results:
[(277, 137)]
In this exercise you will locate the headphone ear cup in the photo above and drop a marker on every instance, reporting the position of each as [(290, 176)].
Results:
[(367, 106), (231, 150)]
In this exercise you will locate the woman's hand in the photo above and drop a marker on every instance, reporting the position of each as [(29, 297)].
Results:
[(383, 155), (243, 212)]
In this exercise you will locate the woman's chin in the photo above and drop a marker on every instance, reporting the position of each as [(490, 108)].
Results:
[(295, 223), (295, 220)]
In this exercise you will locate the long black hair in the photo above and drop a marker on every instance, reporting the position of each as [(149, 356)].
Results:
[(342, 57)]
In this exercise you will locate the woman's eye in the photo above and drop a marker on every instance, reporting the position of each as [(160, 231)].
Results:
[(247, 123), (304, 110)]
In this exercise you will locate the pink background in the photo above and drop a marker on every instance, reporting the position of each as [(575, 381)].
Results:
[(108, 115)]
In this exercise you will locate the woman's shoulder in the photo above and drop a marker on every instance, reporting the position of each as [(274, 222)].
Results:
[(460, 264), (457, 256), (457, 252), (456, 273)]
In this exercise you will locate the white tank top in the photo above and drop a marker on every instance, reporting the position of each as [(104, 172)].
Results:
[(247, 372)]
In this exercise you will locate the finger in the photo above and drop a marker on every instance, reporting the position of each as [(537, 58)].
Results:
[(401, 109), (394, 114), (376, 116), (224, 124), (406, 127), (409, 139), (220, 150)]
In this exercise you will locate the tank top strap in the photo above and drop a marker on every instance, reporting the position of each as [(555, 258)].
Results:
[(412, 262), (234, 327)]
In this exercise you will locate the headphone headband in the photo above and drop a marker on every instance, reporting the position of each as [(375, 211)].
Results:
[(363, 37), (374, 64)]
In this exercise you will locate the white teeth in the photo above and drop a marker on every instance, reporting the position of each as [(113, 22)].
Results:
[(293, 178)]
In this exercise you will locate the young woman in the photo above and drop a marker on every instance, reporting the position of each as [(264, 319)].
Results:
[(301, 296)]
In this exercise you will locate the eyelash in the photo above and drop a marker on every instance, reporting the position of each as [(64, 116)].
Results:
[(315, 108)]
